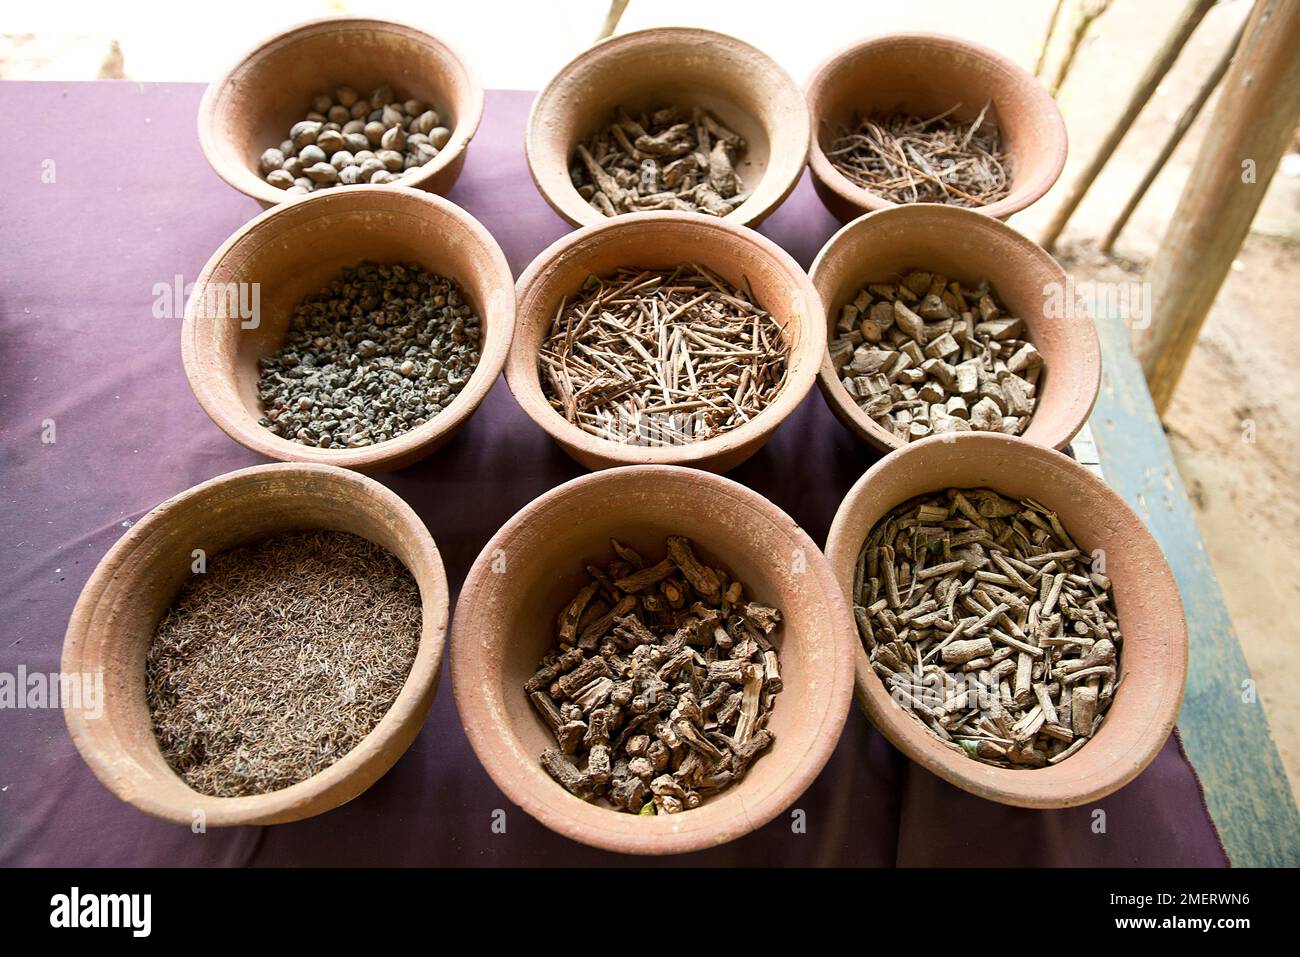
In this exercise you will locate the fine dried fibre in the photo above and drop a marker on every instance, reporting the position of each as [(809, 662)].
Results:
[(279, 659)]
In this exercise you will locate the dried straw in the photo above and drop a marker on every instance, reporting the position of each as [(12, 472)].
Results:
[(280, 659)]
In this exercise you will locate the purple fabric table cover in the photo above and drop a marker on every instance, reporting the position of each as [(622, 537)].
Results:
[(88, 232)]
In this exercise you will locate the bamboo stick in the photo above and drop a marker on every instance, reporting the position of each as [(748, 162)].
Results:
[(1087, 15), (1175, 137), (1164, 59), (1047, 40), (612, 16)]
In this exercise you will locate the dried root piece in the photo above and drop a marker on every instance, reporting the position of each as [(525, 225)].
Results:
[(984, 619), (909, 159), (663, 698), (664, 159)]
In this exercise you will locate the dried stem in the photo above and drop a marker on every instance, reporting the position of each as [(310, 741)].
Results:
[(648, 357)]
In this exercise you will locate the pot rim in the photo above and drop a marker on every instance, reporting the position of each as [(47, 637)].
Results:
[(1085, 350), (602, 827), (243, 179), (1022, 195), (1018, 787), (806, 311), (579, 213), (336, 784), (411, 445)]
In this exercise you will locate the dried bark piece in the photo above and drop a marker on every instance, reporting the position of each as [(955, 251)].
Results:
[(922, 365)]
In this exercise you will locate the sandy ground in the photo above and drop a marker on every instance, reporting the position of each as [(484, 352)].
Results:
[(1239, 384)]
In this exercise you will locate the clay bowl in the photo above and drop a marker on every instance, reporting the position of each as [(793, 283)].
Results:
[(968, 247), (505, 623), (741, 86), (127, 594), (927, 74), (252, 105), (1153, 658), (660, 241), (296, 249)]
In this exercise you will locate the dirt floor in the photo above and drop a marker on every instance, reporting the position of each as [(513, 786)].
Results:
[(1239, 383), (1229, 427)]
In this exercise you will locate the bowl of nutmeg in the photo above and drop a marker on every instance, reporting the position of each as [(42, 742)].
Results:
[(341, 101)]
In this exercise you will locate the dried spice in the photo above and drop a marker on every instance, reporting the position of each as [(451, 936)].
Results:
[(908, 159), (662, 683), (279, 659), (379, 351), (927, 355), (345, 140), (664, 159), (659, 358), (986, 621)]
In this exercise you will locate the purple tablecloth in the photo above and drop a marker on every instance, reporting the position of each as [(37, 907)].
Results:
[(111, 197)]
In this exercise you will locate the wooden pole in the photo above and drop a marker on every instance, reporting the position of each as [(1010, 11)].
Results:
[(1047, 40), (1252, 124), (1164, 59), (1175, 137), (614, 14)]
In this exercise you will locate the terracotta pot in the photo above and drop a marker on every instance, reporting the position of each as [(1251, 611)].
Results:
[(664, 241), (1153, 658), (741, 86), (296, 249), (505, 623), (968, 247), (252, 105), (927, 74), (115, 618)]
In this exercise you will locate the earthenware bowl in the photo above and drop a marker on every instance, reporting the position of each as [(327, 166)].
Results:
[(1153, 658), (967, 247), (298, 248), (928, 74), (253, 104), (741, 86), (664, 241), (115, 618), (505, 623)]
